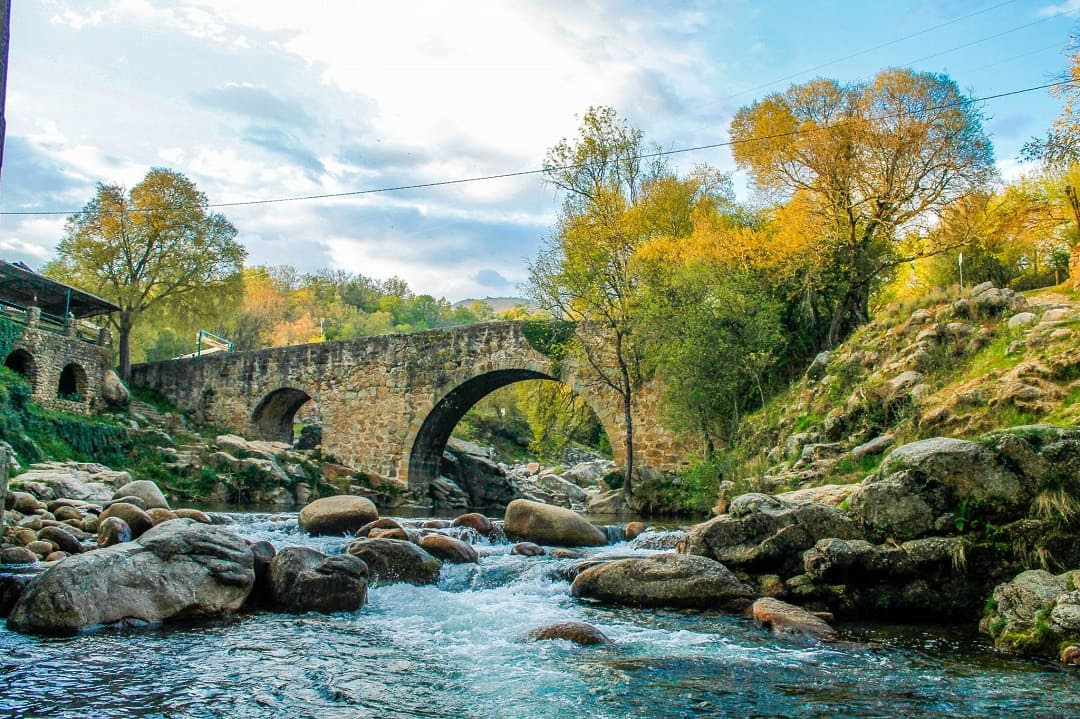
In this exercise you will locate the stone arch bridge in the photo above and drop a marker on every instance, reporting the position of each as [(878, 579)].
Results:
[(389, 403)]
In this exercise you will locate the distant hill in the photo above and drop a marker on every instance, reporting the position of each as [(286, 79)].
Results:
[(499, 304)]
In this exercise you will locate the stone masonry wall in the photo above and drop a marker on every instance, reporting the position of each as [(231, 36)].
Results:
[(51, 352), (374, 393)]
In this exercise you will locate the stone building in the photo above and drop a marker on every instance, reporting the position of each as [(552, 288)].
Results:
[(54, 345)]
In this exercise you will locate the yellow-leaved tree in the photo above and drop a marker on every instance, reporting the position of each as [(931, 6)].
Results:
[(870, 159), (155, 248)]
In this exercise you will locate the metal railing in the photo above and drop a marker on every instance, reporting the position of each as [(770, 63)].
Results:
[(34, 318)]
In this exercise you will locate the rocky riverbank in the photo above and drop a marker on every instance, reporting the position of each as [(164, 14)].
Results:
[(945, 529)]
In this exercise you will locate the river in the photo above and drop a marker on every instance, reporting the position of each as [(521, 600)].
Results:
[(457, 650)]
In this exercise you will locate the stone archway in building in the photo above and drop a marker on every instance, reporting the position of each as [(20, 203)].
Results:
[(22, 362), (426, 448), (73, 384), (274, 414)]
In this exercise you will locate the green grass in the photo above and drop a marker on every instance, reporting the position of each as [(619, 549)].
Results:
[(861, 467), (154, 398)]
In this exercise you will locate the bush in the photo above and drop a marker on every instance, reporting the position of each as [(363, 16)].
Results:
[(693, 492)]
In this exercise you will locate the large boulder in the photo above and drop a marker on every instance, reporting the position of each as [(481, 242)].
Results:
[(395, 560), (761, 533), (612, 501), (485, 482), (304, 580), (113, 390), (545, 524), (145, 490), (1036, 613), (343, 514), (921, 484), (663, 580), (53, 480), (177, 569)]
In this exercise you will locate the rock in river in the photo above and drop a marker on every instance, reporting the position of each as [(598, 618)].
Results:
[(449, 549), (177, 569), (305, 580), (547, 524), (343, 514), (784, 618), (576, 632), (394, 560), (664, 580)]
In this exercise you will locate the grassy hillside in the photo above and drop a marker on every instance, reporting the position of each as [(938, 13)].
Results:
[(944, 365)]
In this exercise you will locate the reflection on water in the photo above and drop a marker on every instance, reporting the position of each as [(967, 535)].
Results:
[(456, 650)]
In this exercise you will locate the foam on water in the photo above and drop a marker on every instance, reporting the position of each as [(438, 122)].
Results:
[(458, 649)]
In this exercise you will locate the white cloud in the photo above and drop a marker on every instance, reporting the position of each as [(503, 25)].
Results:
[(1064, 8)]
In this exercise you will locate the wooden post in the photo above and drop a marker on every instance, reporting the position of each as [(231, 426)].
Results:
[(5, 455)]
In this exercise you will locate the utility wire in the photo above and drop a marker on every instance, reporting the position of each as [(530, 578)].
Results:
[(525, 173), (869, 50)]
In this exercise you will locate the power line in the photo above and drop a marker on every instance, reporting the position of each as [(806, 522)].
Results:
[(869, 50), (540, 171)]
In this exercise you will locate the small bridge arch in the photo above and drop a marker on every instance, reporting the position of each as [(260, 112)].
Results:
[(273, 416)]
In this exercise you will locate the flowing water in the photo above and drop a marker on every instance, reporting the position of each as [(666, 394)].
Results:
[(457, 650)]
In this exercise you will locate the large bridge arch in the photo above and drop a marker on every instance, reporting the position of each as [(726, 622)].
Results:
[(427, 442)]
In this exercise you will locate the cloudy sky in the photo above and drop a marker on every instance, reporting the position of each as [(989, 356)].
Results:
[(262, 99)]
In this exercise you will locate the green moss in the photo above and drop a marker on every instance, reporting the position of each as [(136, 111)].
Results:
[(552, 338)]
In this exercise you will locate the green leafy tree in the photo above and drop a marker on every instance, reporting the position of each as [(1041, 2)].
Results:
[(155, 247), (713, 333), (585, 273)]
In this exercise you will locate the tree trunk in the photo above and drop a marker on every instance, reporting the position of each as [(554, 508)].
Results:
[(628, 418), (852, 311), (125, 347), (1074, 204)]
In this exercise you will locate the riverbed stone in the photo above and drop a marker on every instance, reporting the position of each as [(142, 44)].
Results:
[(201, 517), (127, 499), (145, 490), (343, 514), (449, 549), (178, 569), (664, 580), (64, 540), (113, 530), (479, 523), (790, 620), (159, 515), (527, 549), (305, 580), (579, 633), (394, 560), (381, 523), (41, 548), (135, 518), (17, 555), (549, 525)]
